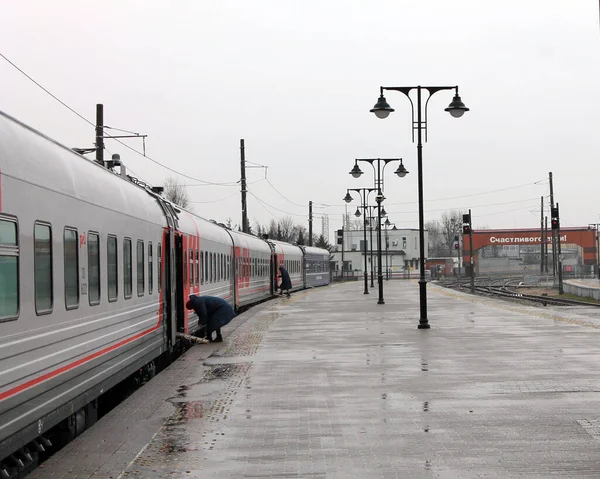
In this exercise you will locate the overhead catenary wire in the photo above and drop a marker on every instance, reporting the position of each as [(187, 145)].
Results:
[(283, 196), (47, 91), (115, 139), (273, 207), (527, 200)]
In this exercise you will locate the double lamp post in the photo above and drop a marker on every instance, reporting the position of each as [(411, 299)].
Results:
[(378, 171), (382, 110)]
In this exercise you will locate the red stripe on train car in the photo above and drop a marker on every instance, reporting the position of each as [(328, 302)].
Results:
[(68, 367)]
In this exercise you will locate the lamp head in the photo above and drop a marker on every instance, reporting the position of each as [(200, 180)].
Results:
[(456, 108), (380, 198), (383, 213), (357, 214), (401, 171), (356, 171), (347, 198), (387, 222), (381, 109)]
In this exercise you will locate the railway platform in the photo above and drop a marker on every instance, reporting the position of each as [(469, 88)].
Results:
[(587, 288), (328, 384)]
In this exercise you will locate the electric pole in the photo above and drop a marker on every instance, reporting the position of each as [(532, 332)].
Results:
[(100, 134), (556, 227), (310, 222), (542, 237), (243, 182), (553, 234), (546, 243)]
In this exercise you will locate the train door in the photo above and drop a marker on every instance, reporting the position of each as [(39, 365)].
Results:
[(274, 273), (178, 271), (169, 288)]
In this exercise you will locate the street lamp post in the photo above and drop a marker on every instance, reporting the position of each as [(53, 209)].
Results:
[(364, 196), (378, 171), (387, 245), (456, 108), (371, 220), (596, 226)]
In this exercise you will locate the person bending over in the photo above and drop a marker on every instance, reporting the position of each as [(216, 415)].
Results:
[(213, 313), (286, 282)]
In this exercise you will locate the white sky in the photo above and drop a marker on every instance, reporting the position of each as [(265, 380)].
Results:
[(296, 80)]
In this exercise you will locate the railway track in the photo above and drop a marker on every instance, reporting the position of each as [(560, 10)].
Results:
[(501, 288)]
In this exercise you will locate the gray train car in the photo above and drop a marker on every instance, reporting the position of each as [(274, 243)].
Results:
[(316, 266)]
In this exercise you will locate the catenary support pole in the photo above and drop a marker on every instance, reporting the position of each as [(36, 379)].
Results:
[(243, 185), (100, 134)]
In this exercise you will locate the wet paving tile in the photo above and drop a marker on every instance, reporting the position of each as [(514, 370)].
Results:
[(329, 384)]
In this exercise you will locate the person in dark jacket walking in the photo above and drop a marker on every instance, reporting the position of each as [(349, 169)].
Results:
[(286, 282), (213, 313)]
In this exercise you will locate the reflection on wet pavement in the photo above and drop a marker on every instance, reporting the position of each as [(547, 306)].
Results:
[(329, 385)]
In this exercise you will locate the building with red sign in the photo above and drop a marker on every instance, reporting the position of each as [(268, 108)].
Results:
[(520, 251)]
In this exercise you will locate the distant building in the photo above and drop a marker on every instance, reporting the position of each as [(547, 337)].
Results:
[(399, 252)]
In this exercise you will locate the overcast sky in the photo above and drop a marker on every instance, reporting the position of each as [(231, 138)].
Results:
[(296, 80)]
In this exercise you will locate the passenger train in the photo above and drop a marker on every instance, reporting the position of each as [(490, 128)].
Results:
[(95, 271)]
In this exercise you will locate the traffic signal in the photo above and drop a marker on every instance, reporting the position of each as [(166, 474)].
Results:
[(467, 218), (466, 229), (340, 236), (456, 245), (555, 217)]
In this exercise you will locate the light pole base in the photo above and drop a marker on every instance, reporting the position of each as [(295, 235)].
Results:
[(423, 322), (380, 301)]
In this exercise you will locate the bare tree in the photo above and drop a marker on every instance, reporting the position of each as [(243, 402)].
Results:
[(176, 193), (287, 228), (437, 247), (451, 226)]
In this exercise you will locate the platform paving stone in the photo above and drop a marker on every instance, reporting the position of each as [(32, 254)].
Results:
[(328, 384)]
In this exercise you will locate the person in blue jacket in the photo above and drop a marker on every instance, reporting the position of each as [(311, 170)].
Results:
[(213, 313), (286, 282)]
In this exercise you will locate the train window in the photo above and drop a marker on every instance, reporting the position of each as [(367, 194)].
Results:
[(216, 267), (197, 269), (185, 267), (206, 266), (93, 249), (150, 259), (159, 252), (71, 253), (127, 269), (43, 268), (222, 266), (210, 267), (191, 267), (201, 267), (140, 268), (112, 269), (9, 270)]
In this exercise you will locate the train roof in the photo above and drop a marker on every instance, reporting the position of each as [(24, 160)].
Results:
[(192, 224), (246, 240), (314, 250), (29, 156), (286, 248)]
